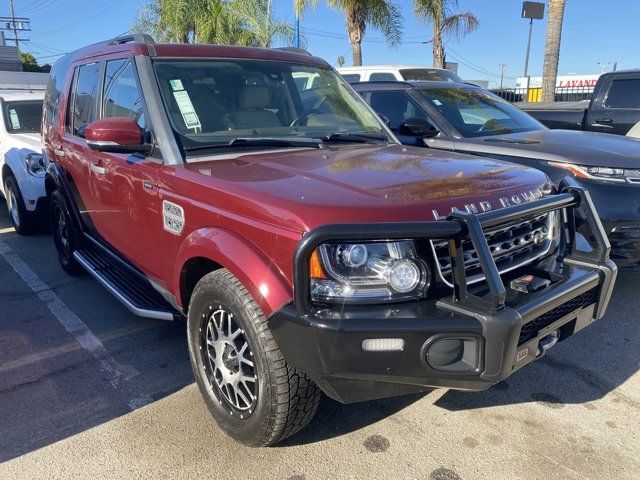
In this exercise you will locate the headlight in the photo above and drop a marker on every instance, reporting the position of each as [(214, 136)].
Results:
[(593, 173), (35, 164), (374, 272)]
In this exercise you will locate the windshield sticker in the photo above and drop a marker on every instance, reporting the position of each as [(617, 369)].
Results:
[(185, 106), (15, 121), (437, 102), (176, 84)]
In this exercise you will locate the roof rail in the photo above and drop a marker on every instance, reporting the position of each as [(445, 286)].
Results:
[(300, 51), (133, 38)]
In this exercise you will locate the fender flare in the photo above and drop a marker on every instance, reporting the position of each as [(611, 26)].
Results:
[(55, 179), (262, 278)]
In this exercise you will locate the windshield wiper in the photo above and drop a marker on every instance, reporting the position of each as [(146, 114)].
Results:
[(259, 142), (353, 137)]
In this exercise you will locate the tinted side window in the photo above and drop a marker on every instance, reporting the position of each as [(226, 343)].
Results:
[(624, 94), (351, 77), (55, 86), (397, 107), (85, 91), (122, 97), (382, 77)]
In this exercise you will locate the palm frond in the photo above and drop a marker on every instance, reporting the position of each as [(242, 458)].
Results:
[(460, 24)]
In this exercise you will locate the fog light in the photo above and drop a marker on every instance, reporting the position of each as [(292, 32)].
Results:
[(383, 345), (453, 354)]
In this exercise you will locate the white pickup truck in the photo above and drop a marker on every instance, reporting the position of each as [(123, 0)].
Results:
[(21, 162)]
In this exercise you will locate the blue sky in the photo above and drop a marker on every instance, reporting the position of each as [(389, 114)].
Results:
[(591, 34)]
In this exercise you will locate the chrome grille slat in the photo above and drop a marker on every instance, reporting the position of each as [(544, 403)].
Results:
[(511, 246)]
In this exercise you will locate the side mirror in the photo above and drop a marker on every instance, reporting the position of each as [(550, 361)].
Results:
[(116, 135), (418, 129)]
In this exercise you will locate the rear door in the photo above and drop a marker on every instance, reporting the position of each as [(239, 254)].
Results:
[(127, 212), (73, 154), (617, 106)]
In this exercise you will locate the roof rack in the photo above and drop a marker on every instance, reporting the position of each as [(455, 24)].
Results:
[(300, 51), (133, 38)]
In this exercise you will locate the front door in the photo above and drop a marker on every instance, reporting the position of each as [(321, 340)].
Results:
[(125, 184)]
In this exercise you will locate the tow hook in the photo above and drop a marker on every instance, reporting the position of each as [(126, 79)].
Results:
[(546, 343)]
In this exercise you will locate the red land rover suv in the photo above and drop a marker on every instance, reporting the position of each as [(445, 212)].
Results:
[(254, 193)]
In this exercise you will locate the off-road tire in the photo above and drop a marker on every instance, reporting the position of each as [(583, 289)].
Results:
[(26, 221), (59, 211), (285, 400)]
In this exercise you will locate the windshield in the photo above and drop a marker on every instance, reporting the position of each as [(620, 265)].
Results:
[(232, 103), (23, 116), (476, 113), (429, 75)]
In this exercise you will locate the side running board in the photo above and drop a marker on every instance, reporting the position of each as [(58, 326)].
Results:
[(133, 292)]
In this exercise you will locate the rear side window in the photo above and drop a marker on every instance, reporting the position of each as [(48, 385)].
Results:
[(624, 94), (82, 109), (382, 77), (351, 77), (55, 87), (397, 107), (122, 97)]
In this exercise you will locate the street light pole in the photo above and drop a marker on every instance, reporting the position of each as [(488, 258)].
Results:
[(502, 69), (526, 58)]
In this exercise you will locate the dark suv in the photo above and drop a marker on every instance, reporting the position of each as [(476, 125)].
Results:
[(192, 181), (467, 119)]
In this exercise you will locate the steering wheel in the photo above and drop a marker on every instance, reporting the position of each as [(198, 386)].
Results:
[(491, 125), (305, 116)]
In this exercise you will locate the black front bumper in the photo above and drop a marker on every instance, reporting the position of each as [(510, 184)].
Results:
[(618, 206), (505, 327)]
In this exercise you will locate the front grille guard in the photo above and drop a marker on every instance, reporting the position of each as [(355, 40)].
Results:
[(456, 228)]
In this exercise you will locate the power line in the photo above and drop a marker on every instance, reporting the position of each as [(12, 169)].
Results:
[(84, 19)]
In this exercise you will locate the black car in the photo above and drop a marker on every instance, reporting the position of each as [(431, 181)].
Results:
[(468, 119), (613, 108)]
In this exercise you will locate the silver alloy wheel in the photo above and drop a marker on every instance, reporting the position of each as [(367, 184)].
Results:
[(13, 208), (230, 360), (62, 231)]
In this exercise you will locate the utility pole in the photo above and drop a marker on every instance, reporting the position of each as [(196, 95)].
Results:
[(13, 24), (503, 67)]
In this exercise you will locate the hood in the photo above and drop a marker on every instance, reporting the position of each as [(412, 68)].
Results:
[(22, 141), (306, 188), (583, 148)]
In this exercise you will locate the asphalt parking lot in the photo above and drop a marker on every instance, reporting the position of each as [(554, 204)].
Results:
[(87, 390)]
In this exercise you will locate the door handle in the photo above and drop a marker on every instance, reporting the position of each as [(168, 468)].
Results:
[(603, 123), (98, 170), (59, 152)]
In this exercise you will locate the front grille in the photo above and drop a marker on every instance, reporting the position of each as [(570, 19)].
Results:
[(530, 329), (511, 246)]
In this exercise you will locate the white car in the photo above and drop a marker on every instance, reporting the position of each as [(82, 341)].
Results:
[(635, 131), (400, 73), (21, 162)]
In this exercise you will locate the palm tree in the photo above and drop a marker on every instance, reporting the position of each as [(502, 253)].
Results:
[(445, 22), (381, 14), (552, 49), (228, 22)]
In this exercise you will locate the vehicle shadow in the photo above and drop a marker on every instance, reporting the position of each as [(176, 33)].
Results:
[(585, 368), (335, 419), (51, 387)]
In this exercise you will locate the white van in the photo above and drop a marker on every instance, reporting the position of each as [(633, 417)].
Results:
[(401, 73)]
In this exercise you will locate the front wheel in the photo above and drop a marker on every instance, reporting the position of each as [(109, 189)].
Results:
[(24, 221), (255, 396)]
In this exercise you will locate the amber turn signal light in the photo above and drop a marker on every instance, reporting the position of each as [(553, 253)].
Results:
[(315, 267)]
